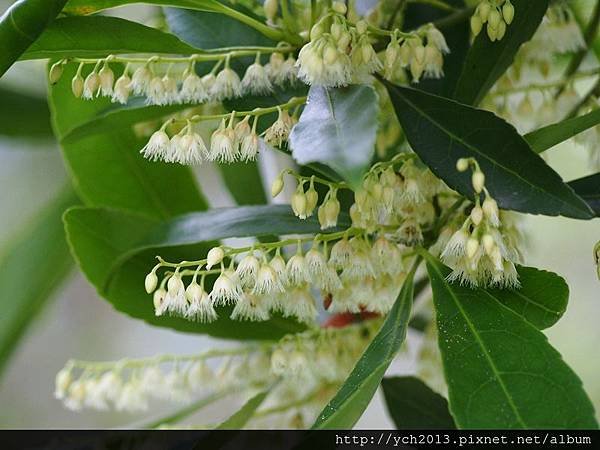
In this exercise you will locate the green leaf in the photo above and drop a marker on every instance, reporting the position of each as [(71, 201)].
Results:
[(20, 26), (205, 30), (99, 36), (588, 188), (338, 128), (244, 182), (119, 116), (487, 61), (84, 7), (344, 410), (501, 371), (31, 269), (442, 131), (541, 300), (24, 115), (116, 250), (547, 137), (414, 406), (107, 168), (238, 420)]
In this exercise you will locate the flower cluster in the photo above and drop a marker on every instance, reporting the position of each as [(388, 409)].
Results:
[(340, 53), (421, 52), (497, 14), (533, 92), (174, 85), (481, 252), (230, 142), (353, 274), (320, 358)]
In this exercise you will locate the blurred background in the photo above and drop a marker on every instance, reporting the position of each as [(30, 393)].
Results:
[(77, 323)]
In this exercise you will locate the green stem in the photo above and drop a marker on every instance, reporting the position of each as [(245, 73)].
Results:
[(295, 101), (271, 33), (214, 55)]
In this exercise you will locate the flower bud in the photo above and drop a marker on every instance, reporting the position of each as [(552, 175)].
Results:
[(339, 7), (270, 7), (361, 27), (194, 292), (56, 72), (508, 12), (299, 203), (478, 181), (494, 19), (77, 85), (501, 31), (476, 25), (462, 164), (91, 84), (336, 30), (175, 285), (277, 186), (490, 209), (107, 80), (488, 243), (477, 215), (330, 54), (315, 33), (151, 282), (472, 247), (215, 256), (312, 198), (492, 33), (483, 10)]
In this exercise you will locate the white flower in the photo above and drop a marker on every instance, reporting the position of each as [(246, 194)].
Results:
[(156, 92), (91, 85), (300, 304), (189, 149), (297, 270), (200, 305), (62, 382), (250, 307), (157, 147), (267, 281), (321, 62), (76, 396), (193, 90), (132, 399), (140, 79), (171, 95), (227, 85), (223, 144), (214, 256), (278, 133), (256, 80), (175, 301), (122, 89), (341, 254), (225, 291), (107, 80), (249, 146), (248, 269)]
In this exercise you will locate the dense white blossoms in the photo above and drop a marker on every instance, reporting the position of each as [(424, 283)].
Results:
[(497, 14), (173, 85), (319, 358), (229, 142), (340, 53), (421, 53), (481, 252)]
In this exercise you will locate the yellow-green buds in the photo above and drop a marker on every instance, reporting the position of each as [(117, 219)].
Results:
[(277, 186), (56, 72), (462, 164), (270, 7), (77, 85), (151, 282), (214, 257), (339, 7), (508, 12), (299, 202), (478, 181)]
